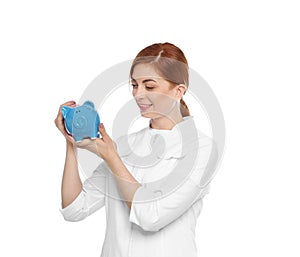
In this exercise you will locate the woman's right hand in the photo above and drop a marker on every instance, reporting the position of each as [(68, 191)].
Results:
[(59, 122)]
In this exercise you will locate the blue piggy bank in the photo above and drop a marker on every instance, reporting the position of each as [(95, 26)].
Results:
[(81, 121)]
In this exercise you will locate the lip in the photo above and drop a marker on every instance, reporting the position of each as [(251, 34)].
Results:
[(144, 107)]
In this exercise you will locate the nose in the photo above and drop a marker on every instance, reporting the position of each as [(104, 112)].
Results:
[(139, 92)]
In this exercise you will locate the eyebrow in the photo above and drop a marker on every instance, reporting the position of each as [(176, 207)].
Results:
[(145, 80)]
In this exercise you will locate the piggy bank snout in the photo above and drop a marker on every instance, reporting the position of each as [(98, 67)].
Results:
[(80, 122)]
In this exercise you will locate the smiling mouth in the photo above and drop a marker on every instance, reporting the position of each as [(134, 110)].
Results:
[(144, 107)]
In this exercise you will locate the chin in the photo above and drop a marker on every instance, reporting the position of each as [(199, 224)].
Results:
[(151, 115), (148, 115)]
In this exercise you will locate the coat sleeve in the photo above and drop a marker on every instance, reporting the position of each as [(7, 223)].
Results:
[(156, 214), (90, 199)]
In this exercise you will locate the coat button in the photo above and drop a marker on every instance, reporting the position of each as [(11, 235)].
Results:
[(158, 192)]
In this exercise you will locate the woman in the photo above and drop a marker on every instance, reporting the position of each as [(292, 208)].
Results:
[(151, 182)]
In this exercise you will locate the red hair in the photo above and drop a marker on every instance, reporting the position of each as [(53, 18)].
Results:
[(168, 61)]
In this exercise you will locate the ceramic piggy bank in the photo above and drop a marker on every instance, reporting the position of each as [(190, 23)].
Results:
[(81, 121)]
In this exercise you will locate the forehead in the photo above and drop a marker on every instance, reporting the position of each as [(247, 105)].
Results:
[(141, 71)]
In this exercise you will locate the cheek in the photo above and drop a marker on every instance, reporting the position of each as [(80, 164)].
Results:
[(162, 102)]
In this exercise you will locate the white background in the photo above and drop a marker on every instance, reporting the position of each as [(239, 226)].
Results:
[(248, 52)]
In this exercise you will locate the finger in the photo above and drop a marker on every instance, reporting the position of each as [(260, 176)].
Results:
[(103, 131), (69, 103), (59, 120)]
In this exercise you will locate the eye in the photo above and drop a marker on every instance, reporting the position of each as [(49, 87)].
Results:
[(149, 86)]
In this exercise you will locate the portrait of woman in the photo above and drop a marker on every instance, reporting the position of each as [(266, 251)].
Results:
[(151, 182)]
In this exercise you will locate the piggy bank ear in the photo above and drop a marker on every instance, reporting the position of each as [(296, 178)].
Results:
[(89, 103), (65, 110)]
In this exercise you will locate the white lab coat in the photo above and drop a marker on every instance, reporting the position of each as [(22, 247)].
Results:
[(164, 211)]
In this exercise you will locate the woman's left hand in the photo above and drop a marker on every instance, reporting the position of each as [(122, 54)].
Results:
[(104, 147)]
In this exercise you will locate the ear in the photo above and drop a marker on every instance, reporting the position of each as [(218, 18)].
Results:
[(65, 110), (181, 89)]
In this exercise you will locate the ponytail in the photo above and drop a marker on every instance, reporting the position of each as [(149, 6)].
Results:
[(184, 109)]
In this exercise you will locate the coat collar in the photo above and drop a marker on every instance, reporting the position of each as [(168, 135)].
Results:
[(166, 144)]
